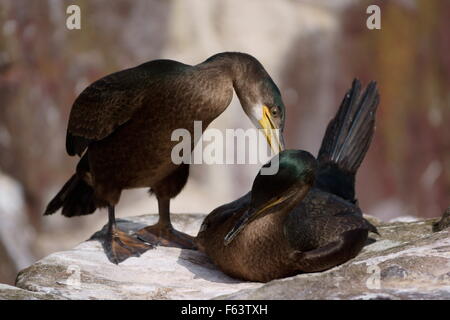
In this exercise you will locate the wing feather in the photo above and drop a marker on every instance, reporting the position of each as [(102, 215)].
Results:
[(111, 101)]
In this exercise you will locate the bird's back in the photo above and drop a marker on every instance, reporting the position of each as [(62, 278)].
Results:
[(322, 218), (111, 101), (330, 208)]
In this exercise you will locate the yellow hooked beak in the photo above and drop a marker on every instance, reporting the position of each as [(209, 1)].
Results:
[(271, 132)]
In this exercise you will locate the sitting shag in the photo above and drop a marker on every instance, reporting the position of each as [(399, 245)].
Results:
[(304, 218)]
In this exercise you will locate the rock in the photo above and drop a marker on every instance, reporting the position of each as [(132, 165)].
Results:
[(13, 293), (162, 273), (16, 232), (444, 222), (408, 261)]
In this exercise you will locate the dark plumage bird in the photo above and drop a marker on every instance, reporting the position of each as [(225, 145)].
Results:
[(304, 218), (121, 127)]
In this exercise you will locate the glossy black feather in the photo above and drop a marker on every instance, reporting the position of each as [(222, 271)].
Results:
[(347, 140)]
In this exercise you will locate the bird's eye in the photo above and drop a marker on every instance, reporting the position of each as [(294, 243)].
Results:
[(274, 111)]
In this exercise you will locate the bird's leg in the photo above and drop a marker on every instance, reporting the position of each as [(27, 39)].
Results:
[(163, 233), (118, 245)]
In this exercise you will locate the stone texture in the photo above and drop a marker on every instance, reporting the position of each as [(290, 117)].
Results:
[(444, 222), (15, 247), (162, 273), (408, 261), (13, 293)]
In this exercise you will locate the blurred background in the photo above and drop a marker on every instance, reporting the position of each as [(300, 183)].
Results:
[(312, 49)]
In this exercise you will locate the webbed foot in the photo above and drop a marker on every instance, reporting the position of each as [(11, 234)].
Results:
[(166, 236), (120, 246)]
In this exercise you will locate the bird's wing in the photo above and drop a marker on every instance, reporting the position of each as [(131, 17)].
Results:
[(110, 102), (319, 217), (316, 231)]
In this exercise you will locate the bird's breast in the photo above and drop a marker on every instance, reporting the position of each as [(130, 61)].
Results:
[(259, 252)]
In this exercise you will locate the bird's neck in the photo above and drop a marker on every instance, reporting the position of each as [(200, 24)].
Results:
[(242, 69), (284, 210)]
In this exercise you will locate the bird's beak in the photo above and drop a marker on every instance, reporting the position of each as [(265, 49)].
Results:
[(250, 215), (271, 132)]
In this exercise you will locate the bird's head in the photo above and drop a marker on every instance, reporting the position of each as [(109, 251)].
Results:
[(265, 108), (260, 98), (279, 192)]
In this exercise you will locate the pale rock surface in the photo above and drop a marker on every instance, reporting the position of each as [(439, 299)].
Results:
[(408, 261), (13, 293), (15, 246), (162, 273)]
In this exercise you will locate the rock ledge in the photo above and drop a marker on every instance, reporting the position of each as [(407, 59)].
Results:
[(408, 261)]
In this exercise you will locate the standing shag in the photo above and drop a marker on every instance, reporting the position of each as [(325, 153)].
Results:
[(121, 127), (304, 218)]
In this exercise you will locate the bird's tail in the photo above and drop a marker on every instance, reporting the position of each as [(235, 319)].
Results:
[(76, 197), (347, 140)]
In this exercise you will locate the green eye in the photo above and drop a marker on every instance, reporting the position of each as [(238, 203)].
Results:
[(275, 111)]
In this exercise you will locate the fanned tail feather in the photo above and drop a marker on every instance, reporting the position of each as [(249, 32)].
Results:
[(346, 141)]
